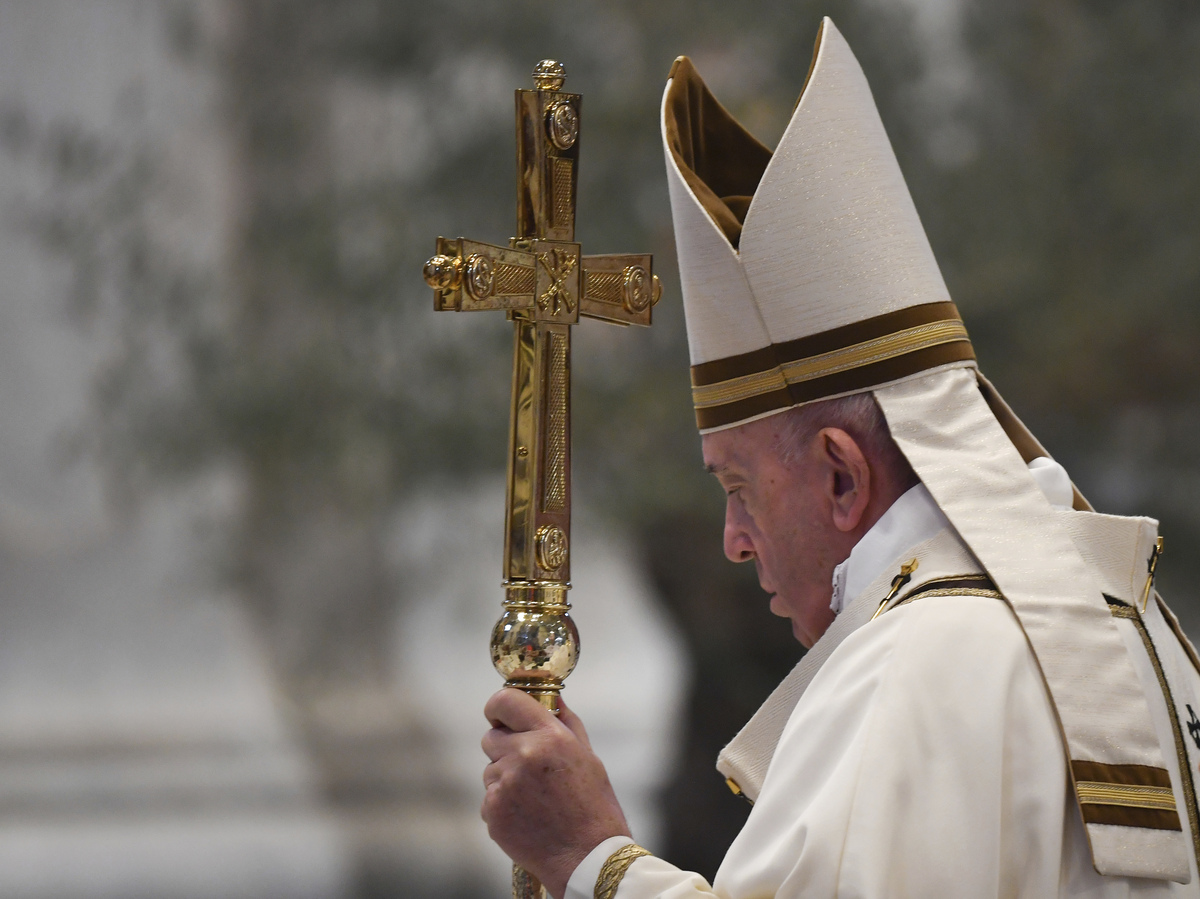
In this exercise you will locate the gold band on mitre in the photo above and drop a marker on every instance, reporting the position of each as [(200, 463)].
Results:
[(854, 357)]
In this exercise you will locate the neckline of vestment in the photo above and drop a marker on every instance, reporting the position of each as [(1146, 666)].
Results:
[(913, 519)]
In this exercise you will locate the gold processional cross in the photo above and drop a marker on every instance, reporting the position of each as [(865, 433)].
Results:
[(544, 284)]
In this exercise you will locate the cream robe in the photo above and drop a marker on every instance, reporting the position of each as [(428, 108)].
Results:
[(923, 759)]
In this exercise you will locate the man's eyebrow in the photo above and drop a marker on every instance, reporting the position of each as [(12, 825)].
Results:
[(713, 468)]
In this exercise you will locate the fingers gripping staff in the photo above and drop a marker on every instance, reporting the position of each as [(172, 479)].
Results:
[(548, 800), (544, 284)]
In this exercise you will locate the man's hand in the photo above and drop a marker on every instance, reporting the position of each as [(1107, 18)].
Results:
[(548, 800)]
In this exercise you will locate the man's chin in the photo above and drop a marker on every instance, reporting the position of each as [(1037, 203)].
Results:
[(801, 638)]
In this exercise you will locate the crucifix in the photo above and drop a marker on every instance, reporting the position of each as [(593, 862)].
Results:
[(544, 284)]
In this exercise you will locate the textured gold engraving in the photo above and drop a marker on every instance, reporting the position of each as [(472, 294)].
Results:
[(514, 279), (562, 124), (604, 287), (535, 645), (636, 290), (614, 870), (554, 497), (481, 276), (551, 547), (558, 266), (562, 173), (549, 75), (443, 272), (525, 885)]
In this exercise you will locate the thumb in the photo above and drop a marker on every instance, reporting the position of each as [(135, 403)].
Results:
[(573, 723)]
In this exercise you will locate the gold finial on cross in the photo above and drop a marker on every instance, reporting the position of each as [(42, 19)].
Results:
[(544, 284)]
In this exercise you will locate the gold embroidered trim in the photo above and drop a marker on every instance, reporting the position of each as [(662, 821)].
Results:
[(736, 389), (1173, 622), (952, 591), (614, 870), (948, 585), (869, 352), (1122, 610), (907, 341), (1127, 795)]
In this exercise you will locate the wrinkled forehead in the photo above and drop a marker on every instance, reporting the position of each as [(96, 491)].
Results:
[(741, 448)]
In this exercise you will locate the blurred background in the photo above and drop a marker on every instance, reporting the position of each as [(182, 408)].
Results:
[(251, 487)]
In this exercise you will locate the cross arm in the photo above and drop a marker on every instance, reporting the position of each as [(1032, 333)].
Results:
[(620, 288), (467, 276)]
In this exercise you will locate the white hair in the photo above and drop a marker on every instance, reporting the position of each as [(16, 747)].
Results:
[(860, 416)]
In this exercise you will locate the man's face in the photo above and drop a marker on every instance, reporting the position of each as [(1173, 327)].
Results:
[(777, 513)]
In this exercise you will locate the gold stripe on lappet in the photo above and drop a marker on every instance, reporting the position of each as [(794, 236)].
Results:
[(951, 591), (614, 870), (880, 349), (1124, 610), (1128, 795)]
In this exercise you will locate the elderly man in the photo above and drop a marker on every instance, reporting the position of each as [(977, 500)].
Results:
[(995, 701)]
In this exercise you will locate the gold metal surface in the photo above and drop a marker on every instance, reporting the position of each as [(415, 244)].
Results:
[(554, 493), (603, 287), (480, 275), (514, 279), (1153, 566), (562, 124), (549, 75), (551, 547), (535, 644), (618, 289), (544, 284), (443, 272), (559, 266), (562, 185), (898, 582), (635, 289)]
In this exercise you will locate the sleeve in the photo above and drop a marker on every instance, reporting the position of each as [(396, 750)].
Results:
[(647, 876), (583, 879)]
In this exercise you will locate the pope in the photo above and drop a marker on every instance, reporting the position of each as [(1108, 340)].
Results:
[(995, 700)]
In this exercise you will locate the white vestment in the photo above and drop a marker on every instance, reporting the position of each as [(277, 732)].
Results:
[(923, 757)]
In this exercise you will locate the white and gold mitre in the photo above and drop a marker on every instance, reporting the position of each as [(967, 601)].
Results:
[(806, 273), (806, 276)]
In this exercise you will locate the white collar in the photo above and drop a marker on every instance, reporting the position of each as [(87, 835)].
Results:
[(913, 519)]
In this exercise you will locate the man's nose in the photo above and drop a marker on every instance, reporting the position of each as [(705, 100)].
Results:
[(738, 545)]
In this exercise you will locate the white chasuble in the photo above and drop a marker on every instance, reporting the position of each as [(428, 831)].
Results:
[(918, 754)]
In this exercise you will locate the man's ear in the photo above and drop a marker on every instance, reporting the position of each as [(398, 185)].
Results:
[(848, 481)]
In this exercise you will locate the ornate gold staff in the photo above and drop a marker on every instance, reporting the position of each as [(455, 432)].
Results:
[(544, 284)]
